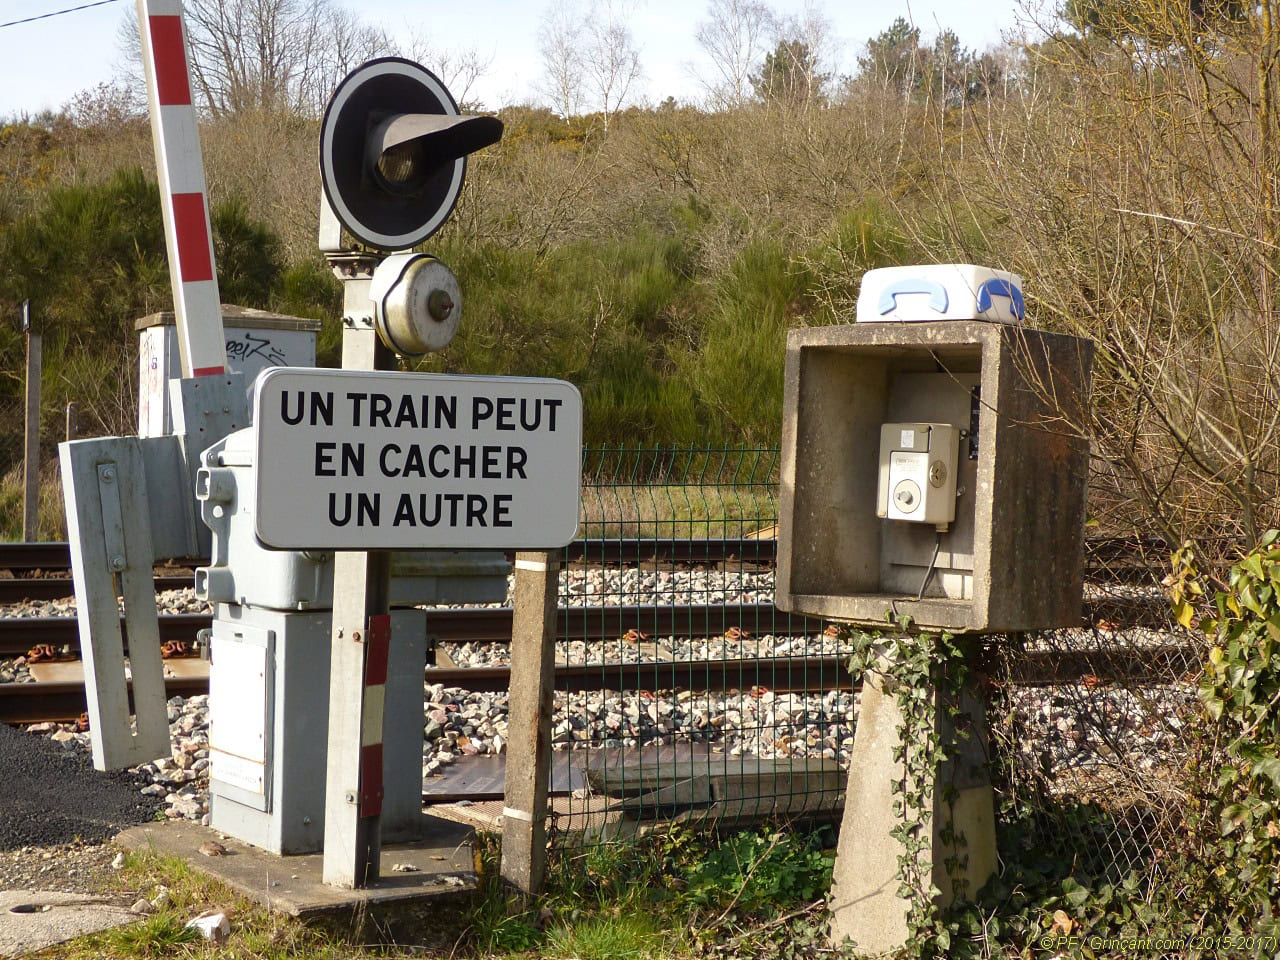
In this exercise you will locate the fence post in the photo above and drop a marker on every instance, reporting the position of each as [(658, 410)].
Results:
[(533, 636), (31, 448)]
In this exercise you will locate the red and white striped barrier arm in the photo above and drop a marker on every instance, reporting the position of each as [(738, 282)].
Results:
[(377, 649), (180, 167)]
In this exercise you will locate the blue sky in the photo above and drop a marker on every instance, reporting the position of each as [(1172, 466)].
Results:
[(42, 64)]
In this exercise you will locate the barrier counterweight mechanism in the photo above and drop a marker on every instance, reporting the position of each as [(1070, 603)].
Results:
[(129, 500)]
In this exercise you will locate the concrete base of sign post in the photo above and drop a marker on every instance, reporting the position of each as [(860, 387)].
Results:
[(439, 864), (865, 904)]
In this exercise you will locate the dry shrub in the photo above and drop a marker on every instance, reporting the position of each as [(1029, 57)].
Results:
[(1130, 178)]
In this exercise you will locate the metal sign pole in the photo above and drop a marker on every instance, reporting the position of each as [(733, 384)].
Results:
[(358, 665), (31, 446)]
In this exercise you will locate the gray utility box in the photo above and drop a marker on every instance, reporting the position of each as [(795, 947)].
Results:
[(255, 339), (1011, 559), (270, 655), (269, 727)]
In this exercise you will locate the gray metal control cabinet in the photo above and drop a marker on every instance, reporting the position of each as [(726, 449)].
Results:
[(1012, 557), (270, 666), (269, 726)]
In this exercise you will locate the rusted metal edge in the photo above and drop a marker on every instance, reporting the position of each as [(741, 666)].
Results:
[(57, 588), (64, 701)]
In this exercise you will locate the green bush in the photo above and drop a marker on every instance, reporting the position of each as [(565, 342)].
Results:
[(92, 260)]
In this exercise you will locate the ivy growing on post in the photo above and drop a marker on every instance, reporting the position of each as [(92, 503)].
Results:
[(925, 673)]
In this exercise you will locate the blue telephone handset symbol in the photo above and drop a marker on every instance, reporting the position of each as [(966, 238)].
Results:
[(999, 287), (936, 291)]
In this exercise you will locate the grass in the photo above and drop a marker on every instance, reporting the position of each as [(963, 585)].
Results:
[(609, 901), (678, 510), (156, 936), (52, 519), (631, 937)]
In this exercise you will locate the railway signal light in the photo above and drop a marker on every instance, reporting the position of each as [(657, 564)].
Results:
[(393, 152)]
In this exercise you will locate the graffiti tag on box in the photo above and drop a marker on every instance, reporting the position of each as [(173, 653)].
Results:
[(255, 346)]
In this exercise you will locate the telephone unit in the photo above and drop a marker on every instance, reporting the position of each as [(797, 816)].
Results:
[(918, 472)]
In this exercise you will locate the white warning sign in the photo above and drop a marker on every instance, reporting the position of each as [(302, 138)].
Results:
[(355, 460)]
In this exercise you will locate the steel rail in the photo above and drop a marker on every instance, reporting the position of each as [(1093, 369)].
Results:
[(59, 588), (20, 634), (451, 624), (1099, 551), (42, 555), (65, 700), (57, 555)]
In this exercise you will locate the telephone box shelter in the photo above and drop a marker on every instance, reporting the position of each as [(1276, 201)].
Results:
[(1011, 557)]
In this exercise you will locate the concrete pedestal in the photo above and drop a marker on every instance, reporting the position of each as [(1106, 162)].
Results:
[(865, 904)]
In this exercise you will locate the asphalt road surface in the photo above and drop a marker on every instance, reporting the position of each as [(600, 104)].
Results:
[(50, 793)]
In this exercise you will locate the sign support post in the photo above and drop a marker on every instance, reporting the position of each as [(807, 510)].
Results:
[(31, 444), (533, 665), (360, 633)]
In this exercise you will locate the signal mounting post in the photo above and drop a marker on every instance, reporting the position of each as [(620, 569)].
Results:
[(391, 185)]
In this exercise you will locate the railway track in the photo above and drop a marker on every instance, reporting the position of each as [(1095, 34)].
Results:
[(35, 702), (64, 701), (475, 625), (1115, 559), (592, 624), (31, 702)]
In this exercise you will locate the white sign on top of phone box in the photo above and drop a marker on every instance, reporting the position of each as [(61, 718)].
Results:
[(363, 460)]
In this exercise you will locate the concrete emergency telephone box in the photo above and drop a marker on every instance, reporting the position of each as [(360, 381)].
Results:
[(864, 406), (933, 467)]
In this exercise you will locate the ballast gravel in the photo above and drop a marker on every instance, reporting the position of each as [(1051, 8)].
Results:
[(1064, 731)]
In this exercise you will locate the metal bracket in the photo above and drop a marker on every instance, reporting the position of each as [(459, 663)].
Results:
[(108, 525), (112, 521), (330, 227), (205, 410)]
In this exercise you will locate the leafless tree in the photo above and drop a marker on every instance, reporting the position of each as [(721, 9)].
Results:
[(810, 30), (560, 44), (611, 60), (459, 68), (272, 55), (339, 44), (589, 58), (734, 36)]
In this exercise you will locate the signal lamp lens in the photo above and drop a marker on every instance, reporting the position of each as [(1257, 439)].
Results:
[(401, 168)]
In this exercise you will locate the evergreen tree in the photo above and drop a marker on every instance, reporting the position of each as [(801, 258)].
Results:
[(894, 58), (790, 75)]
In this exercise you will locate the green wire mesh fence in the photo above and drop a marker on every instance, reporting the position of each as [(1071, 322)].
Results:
[(699, 701), (683, 696)]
